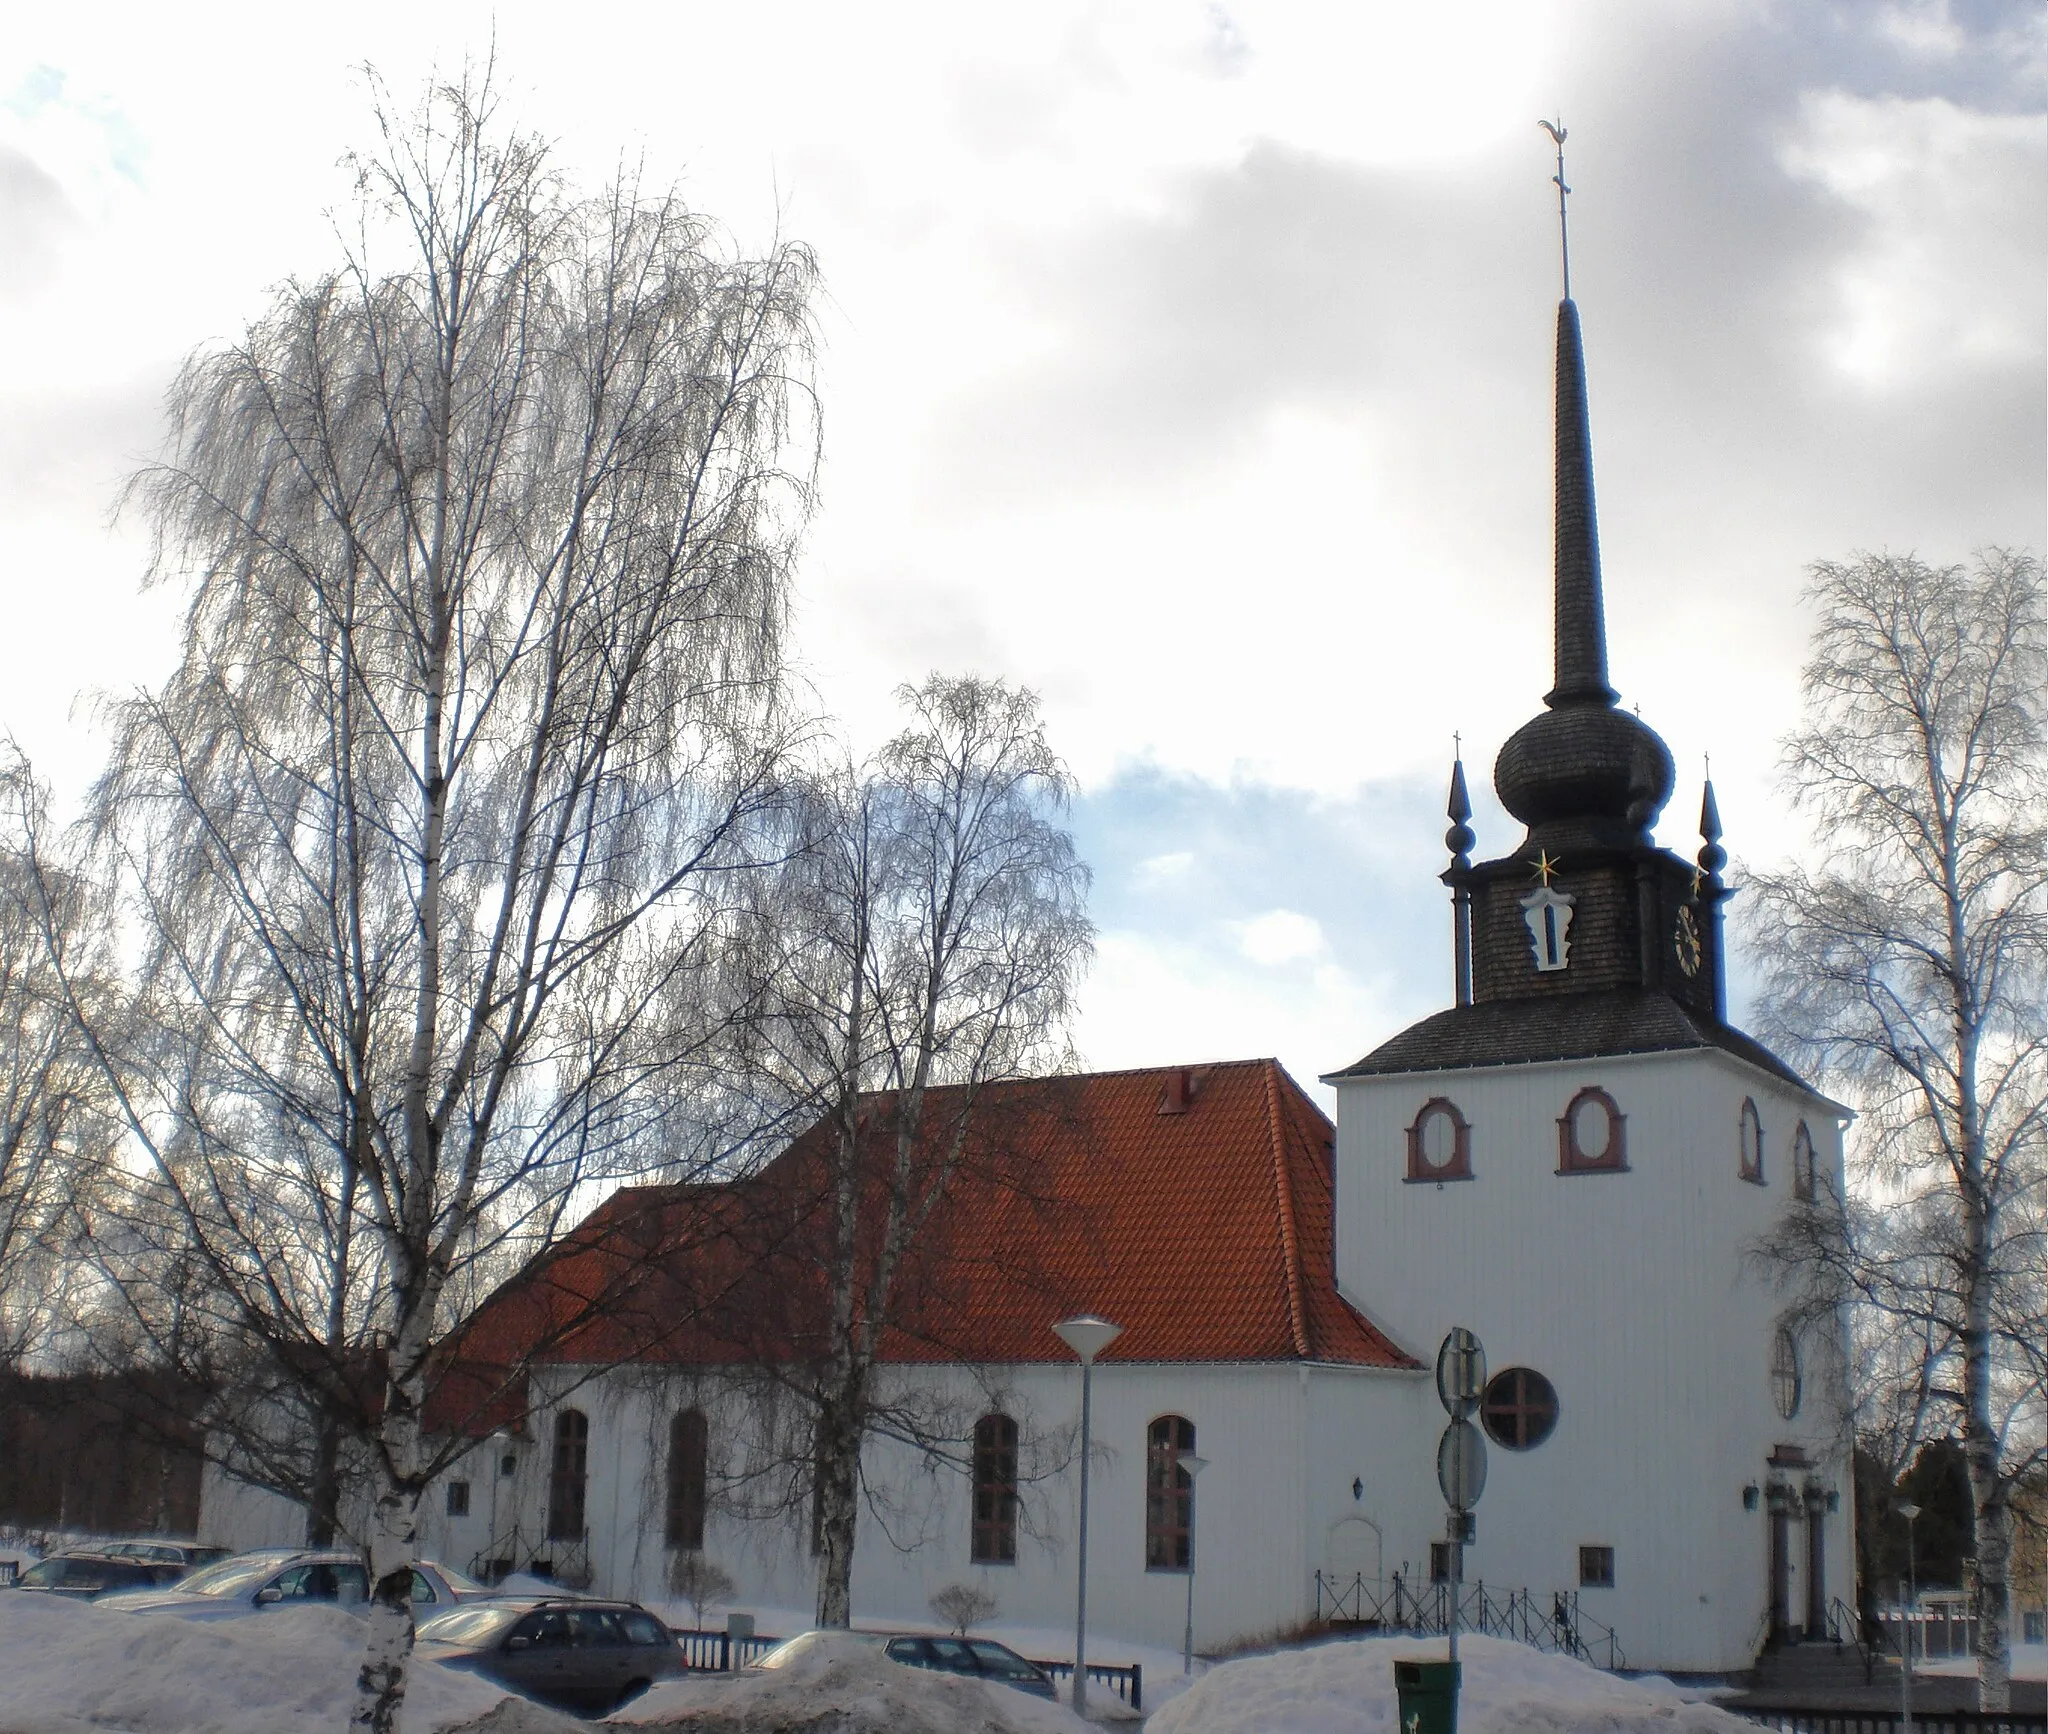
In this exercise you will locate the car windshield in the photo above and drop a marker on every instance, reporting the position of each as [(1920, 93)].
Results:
[(468, 1625), (1004, 1663), (231, 1577), (43, 1574)]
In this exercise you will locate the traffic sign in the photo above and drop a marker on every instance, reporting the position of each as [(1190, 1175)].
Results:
[(1461, 1465), (1460, 1373)]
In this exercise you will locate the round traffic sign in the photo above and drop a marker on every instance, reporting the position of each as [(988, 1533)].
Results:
[(1461, 1465), (1460, 1373)]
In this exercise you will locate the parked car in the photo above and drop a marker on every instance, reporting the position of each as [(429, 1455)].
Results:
[(980, 1657), (188, 1554), (977, 1658), (85, 1576), (579, 1654), (251, 1583)]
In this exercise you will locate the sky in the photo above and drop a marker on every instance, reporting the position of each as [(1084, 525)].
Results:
[(1188, 362)]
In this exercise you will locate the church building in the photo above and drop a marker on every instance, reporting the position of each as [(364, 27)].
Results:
[(1574, 1161)]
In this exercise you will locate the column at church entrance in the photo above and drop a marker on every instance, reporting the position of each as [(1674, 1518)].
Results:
[(1816, 1561), (1781, 1501)]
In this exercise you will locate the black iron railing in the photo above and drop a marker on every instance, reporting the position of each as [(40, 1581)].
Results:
[(1554, 1622), (1793, 1721), (1127, 1683)]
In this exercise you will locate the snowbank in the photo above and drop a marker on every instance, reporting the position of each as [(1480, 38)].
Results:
[(67, 1667), (1347, 1687), (848, 1687)]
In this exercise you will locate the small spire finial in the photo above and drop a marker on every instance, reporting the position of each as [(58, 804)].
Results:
[(1460, 837), (1564, 235), (1712, 856)]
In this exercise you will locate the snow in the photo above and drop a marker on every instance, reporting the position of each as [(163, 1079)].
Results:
[(849, 1686), (1347, 1687), (71, 1668)]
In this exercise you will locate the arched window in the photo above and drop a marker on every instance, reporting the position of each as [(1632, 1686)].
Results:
[(1169, 1493), (1519, 1409), (1786, 1383), (566, 1477), (1749, 1134), (689, 1462), (1440, 1143), (1802, 1163), (994, 1539), (1592, 1135)]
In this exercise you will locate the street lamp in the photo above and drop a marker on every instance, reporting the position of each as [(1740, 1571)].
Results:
[(1194, 1466), (1908, 1510), (1087, 1336)]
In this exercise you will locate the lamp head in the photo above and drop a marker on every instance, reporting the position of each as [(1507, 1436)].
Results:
[(1087, 1335), (1191, 1463), (1907, 1509)]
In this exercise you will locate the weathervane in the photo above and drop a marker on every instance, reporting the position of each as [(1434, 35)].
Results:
[(1564, 234)]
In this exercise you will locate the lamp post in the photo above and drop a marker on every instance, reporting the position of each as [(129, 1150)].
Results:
[(1908, 1510), (1087, 1336), (1194, 1466)]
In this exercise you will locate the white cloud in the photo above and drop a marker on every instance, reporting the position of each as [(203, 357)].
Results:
[(1159, 870), (1279, 936), (1947, 270)]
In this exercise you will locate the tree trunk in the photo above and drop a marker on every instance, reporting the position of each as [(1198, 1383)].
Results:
[(323, 1508), (839, 1441), (394, 1533)]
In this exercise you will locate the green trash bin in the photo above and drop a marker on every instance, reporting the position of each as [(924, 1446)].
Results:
[(1428, 1692)]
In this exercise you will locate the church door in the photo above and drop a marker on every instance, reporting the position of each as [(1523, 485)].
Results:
[(1816, 1569), (1781, 1576)]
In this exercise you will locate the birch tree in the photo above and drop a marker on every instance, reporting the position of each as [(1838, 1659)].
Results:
[(1910, 965), (486, 535), (932, 931)]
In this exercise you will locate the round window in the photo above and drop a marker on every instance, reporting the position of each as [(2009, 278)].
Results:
[(1439, 1143), (1519, 1409), (1438, 1135), (1785, 1379)]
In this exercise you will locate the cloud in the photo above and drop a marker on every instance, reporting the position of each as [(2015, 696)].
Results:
[(35, 217), (1279, 936)]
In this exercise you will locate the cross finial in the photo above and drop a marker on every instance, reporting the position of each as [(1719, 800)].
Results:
[(1564, 236)]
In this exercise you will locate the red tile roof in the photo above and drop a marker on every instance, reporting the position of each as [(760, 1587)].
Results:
[(1207, 1233)]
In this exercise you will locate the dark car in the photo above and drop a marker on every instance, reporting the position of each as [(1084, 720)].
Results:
[(83, 1576), (577, 1654), (980, 1658)]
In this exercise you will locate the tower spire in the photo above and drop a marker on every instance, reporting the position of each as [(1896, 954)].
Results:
[(1585, 771)]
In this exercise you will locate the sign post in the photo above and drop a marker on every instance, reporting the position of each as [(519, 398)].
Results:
[(1460, 1453)]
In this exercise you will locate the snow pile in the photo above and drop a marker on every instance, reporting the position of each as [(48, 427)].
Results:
[(67, 1667), (841, 1685), (1347, 1687)]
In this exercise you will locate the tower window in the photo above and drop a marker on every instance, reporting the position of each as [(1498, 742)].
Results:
[(1440, 1143), (1592, 1135), (1802, 1163), (1548, 914), (1749, 1131), (1519, 1409), (1169, 1493)]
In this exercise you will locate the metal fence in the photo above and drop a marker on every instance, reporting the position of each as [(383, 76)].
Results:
[(1790, 1721), (1553, 1622), (719, 1652), (1127, 1683)]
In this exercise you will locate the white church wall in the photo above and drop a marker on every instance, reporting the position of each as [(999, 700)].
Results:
[(1264, 1428), (1632, 1293)]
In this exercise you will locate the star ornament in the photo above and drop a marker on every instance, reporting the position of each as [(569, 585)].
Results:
[(1544, 866), (1699, 878)]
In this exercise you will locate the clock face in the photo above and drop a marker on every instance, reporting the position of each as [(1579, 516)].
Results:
[(1685, 940)]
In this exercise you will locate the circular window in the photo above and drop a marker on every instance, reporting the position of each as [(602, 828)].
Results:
[(1519, 1409), (1438, 1136), (1785, 1379)]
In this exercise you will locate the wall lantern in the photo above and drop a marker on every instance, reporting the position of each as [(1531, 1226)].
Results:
[(1357, 1488), (1750, 1495)]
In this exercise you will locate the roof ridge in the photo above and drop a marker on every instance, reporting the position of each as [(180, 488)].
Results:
[(1290, 1244)]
